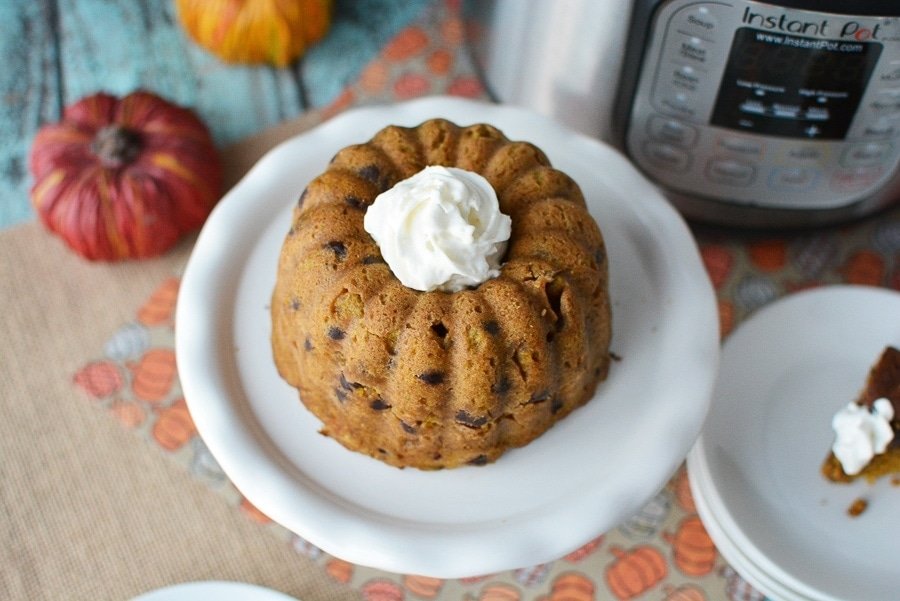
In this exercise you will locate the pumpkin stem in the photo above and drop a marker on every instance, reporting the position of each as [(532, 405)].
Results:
[(116, 146)]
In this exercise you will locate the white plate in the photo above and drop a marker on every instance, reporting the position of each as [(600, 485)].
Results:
[(214, 590), (784, 373), (591, 471), (737, 559)]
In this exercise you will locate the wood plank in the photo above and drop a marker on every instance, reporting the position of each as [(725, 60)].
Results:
[(58, 51)]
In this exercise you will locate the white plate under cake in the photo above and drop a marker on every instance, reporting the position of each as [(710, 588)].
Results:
[(534, 504)]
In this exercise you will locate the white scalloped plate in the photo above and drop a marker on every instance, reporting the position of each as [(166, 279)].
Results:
[(784, 373), (587, 474)]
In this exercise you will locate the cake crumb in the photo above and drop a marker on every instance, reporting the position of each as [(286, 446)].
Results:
[(857, 507)]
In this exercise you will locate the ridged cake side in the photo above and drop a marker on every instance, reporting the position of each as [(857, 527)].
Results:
[(435, 379)]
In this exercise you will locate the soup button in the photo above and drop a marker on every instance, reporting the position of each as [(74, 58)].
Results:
[(731, 172), (699, 21)]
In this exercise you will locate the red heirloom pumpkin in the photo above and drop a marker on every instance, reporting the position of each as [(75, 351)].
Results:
[(124, 178)]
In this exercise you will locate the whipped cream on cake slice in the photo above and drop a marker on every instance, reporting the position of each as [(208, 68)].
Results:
[(866, 441)]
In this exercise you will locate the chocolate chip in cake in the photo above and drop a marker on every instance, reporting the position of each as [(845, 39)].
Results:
[(335, 333), (432, 377), (370, 173), (407, 428), (467, 419), (340, 394), (338, 248), (501, 386), (439, 329), (555, 406), (347, 385), (491, 327), (479, 460), (356, 202), (295, 304), (302, 198), (307, 344), (539, 397), (372, 260), (379, 404)]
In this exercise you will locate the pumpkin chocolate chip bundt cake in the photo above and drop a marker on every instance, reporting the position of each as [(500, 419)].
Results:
[(411, 327)]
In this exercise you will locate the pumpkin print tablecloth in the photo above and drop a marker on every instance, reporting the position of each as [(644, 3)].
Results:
[(663, 552)]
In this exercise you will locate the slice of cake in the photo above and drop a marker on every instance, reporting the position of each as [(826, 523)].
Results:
[(866, 442)]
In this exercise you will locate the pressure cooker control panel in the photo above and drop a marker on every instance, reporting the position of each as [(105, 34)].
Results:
[(767, 106)]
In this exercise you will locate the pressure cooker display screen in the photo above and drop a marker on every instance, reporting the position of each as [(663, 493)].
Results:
[(785, 85)]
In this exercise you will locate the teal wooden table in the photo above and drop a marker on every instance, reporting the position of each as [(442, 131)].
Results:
[(57, 51)]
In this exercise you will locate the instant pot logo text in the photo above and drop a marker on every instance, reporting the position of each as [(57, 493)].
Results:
[(783, 23)]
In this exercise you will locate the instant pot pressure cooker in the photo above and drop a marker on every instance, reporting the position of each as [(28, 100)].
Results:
[(760, 114)]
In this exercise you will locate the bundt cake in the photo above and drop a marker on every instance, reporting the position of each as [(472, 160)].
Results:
[(867, 444), (441, 379)]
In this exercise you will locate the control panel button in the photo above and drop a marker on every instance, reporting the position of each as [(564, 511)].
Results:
[(693, 50), (686, 77), (671, 131), (740, 145), (880, 129), (731, 172), (891, 73), (697, 21), (794, 179), (666, 156), (886, 105), (855, 180), (866, 155), (807, 153), (677, 103)]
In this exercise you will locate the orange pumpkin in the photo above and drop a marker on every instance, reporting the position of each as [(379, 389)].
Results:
[(251, 511), (572, 586), (726, 318), (124, 178), (695, 554), (340, 570), (382, 590), (584, 550), (154, 375), (768, 255), (635, 571), (500, 592), (255, 31), (99, 379), (865, 267), (475, 579), (682, 489), (718, 262), (174, 426), (423, 586), (406, 44), (686, 592), (131, 415), (160, 307)]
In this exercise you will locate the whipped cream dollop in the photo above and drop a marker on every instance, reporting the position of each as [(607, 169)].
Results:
[(440, 229), (861, 434)]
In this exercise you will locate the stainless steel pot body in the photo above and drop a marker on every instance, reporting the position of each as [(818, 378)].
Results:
[(662, 80)]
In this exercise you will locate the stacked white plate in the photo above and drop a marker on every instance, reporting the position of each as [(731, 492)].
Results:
[(755, 470)]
